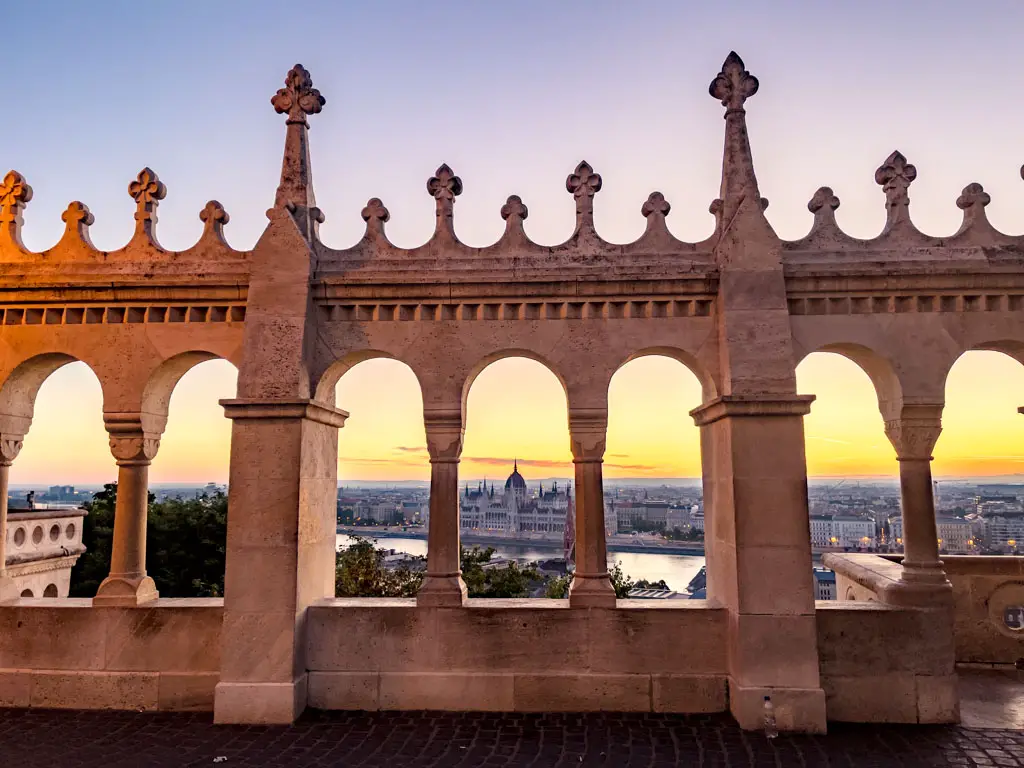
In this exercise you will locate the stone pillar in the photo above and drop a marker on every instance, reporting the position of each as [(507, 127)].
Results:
[(759, 555), (591, 585), (10, 446), (443, 584), (282, 501), (913, 434), (134, 449)]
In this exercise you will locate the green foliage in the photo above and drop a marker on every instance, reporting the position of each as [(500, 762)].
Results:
[(687, 534), (558, 587), (511, 580), (621, 582), (185, 545), (97, 536), (645, 584), (360, 572)]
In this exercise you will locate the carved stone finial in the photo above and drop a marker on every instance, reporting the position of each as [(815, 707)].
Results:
[(584, 184), (214, 217), (14, 194), (823, 200), (77, 214), (734, 84), (147, 190), (514, 209), (298, 97), (655, 204), (375, 211), (444, 186), (973, 195), (895, 176)]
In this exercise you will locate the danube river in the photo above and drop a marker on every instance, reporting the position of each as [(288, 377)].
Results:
[(676, 570)]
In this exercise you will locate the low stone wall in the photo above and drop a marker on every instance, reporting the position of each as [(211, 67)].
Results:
[(883, 663), (984, 588), (63, 653), (517, 655)]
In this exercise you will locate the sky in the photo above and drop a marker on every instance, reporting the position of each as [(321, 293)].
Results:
[(512, 97)]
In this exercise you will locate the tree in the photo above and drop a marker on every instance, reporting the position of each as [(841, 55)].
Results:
[(558, 587), (511, 580), (360, 572), (185, 544), (621, 582)]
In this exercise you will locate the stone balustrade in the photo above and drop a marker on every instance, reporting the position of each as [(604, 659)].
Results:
[(41, 548)]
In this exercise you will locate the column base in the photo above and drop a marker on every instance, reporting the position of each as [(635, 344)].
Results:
[(914, 593), (591, 592), (259, 703), (125, 591), (442, 592), (800, 710)]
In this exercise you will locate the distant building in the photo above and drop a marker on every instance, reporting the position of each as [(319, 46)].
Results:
[(843, 531), (824, 583), (513, 510), (42, 546)]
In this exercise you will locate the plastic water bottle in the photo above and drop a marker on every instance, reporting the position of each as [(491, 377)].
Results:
[(771, 728)]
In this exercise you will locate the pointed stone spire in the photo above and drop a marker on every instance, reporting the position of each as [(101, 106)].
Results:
[(298, 99), (14, 194), (733, 86)]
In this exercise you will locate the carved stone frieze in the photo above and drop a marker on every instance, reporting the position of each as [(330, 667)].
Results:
[(915, 432)]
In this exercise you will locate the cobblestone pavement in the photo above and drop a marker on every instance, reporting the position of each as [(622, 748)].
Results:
[(422, 739)]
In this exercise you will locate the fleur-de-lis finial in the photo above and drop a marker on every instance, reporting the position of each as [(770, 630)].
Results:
[(514, 208), (214, 217), (655, 204), (14, 193), (584, 184), (444, 186), (973, 195), (147, 190), (824, 199), (77, 213), (298, 97), (734, 84), (895, 176), (375, 210)]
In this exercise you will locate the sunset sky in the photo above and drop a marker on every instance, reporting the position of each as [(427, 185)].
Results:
[(512, 97)]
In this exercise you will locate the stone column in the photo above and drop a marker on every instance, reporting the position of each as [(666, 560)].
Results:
[(282, 502), (591, 585), (134, 449), (913, 434), (759, 554), (443, 584), (10, 446)]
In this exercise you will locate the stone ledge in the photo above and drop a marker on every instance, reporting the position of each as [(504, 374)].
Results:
[(883, 577), (298, 408), (751, 406)]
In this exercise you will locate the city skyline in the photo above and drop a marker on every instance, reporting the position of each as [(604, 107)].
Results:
[(633, 107)]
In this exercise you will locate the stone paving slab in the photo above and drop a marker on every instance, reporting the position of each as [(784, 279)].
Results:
[(31, 738)]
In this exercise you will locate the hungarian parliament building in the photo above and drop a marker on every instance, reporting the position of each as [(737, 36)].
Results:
[(514, 510)]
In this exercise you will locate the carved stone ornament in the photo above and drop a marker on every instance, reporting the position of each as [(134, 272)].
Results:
[(298, 97), (213, 213), (514, 208), (734, 84), (895, 176), (444, 184), (588, 431), (973, 195), (376, 211), (444, 436), (10, 447), (914, 436), (823, 200), (655, 204), (147, 190), (134, 450), (77, 213), (583, 182), (14, 193)]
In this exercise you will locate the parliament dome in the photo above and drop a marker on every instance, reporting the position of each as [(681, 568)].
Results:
[(515, 481)]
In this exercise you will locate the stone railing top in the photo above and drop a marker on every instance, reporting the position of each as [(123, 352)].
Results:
[(656, 253)]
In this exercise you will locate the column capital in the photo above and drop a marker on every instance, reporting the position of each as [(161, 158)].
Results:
[(915, 431), (289, 408), (445, 430), (728, 406), (130, 443), (10, 447), (588, 431)]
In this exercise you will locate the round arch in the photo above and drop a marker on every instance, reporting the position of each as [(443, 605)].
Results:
[(21, 387), (709, 389), (159, 387), (327, 384), (878, 368), (504, 354)]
